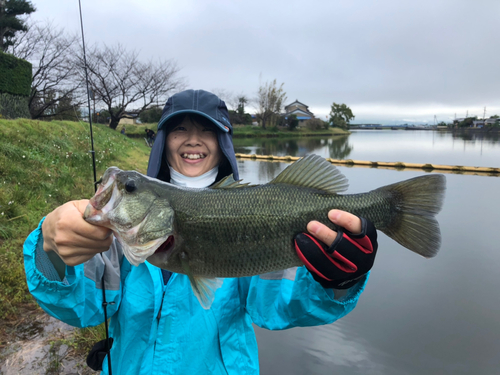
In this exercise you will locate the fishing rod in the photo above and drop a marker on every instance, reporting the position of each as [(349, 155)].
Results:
[(104, 303)]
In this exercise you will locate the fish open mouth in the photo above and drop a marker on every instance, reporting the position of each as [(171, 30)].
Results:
[(166, 246), (105, 189), (104, 200)]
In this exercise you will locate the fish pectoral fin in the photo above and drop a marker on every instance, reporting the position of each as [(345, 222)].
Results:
[(204, 289), (313, 171)]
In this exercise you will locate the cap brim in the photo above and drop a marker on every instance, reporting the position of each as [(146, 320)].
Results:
[(164, 120)]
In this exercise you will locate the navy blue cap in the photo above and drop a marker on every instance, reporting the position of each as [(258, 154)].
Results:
[(200, 102)]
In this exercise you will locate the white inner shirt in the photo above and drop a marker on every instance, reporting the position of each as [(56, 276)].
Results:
[(203, 181)]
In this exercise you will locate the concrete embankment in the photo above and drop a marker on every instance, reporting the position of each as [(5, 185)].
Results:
[(387, 165)]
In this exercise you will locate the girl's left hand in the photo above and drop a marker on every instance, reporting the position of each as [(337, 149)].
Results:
[(341, 218), (339, 259)]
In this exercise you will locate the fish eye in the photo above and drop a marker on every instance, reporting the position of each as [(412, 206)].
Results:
[(130, 186)]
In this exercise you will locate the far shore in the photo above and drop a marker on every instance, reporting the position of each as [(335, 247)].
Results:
[(247, 131), (427, 128)]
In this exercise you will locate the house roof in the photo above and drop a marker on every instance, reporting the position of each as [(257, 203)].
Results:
[(130, 115), (297, 102), (300, 111)]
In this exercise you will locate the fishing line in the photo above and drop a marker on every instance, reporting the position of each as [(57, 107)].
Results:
[(104, 303), (88, 97)]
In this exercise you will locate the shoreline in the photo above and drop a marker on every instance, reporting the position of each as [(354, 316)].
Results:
[(452, 130), (267, 135), (285, 135)]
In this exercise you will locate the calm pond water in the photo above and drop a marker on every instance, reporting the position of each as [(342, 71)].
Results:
[(436, 147), (416, 316)]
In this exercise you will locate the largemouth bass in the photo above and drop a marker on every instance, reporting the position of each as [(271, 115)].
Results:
[(235, 230)]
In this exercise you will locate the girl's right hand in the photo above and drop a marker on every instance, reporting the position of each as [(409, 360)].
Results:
[(66, 233)]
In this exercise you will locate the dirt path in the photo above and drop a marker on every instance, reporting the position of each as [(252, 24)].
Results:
[(41, 349)]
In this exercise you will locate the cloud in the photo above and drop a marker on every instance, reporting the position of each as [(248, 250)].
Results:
[(386, 57)]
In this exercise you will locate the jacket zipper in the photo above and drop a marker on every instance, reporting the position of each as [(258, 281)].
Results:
[(158, 317), (161, 307)]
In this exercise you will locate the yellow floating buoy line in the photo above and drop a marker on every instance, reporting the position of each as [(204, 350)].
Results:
[(386, 165)]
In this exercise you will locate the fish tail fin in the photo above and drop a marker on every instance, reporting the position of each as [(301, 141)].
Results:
[(414, 204)]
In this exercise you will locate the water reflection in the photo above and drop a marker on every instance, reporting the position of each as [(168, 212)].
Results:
[(435, 147), (338, 147), (267, 171), (259, 173), (490, 137), (326, 349)]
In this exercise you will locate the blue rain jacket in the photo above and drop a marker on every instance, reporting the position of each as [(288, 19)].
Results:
[(162, 329)]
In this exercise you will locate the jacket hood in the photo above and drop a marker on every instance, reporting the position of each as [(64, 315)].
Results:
[(196, 102)]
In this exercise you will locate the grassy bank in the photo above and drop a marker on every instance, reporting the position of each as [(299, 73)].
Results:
[(137, 130), (248, 131), (42, 165)]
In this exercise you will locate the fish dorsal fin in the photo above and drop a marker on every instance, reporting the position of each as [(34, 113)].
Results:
[(229, 183), (312, 171)]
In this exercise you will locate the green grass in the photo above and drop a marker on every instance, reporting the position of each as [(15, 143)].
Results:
[(136, 130), (43, 165)]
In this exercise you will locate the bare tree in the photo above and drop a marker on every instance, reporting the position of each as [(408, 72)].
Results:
[(119, 79), (55, 76), (270, 99), (228, 97)]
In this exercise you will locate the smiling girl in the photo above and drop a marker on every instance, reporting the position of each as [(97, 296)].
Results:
[(157, 324)]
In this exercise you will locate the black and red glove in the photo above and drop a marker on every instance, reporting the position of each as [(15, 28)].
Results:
[(341, 265)]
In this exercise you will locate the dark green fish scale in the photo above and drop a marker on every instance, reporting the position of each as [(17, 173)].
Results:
[(249, 231)]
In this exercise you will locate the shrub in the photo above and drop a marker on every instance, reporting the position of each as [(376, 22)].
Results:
[(292, 122), (314, 124), (151, 115), (14, 106), (15, 86), (240, 119), (16, 75)]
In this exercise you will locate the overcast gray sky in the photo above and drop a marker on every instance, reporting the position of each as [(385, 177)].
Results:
[(390, 61)]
